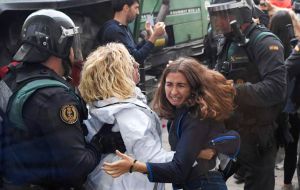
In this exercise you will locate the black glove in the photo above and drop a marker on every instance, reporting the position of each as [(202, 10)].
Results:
[(106, 141), (283, 135)]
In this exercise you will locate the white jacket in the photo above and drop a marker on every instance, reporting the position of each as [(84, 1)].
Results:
[(141, 132)]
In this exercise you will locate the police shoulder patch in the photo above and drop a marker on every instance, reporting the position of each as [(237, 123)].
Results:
[(69, 114), (273, 47)]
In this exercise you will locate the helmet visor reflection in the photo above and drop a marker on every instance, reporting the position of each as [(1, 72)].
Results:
[(76, 45), (77, 49), (220, 22)]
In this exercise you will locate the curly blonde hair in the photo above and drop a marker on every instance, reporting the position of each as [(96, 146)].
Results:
[(212, 96), (107, 72)]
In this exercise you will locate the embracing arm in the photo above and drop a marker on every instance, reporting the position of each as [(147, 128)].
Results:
[(127, 164), (176, 171), (140, 136)]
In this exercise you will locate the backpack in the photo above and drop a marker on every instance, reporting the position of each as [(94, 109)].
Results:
[(227, 146), (3, 71)]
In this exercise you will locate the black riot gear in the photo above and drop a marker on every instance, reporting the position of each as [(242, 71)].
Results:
[(48, 32), (253, 58)]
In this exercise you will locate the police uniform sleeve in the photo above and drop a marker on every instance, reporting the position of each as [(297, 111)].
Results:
[(54, 115), (271, 89)]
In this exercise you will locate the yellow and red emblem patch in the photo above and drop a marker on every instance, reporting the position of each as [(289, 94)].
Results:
[(69, 114), (273, 48)]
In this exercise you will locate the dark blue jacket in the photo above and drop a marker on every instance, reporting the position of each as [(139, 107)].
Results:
[(194, 136), (113, 31)]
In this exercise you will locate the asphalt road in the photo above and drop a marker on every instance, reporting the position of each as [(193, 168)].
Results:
[(231, 181)]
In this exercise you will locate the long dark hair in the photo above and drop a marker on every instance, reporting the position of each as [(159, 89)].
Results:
[(211, 94), (278, 25)]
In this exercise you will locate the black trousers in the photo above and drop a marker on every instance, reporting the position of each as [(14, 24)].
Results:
[(290, 159), (258, 161)]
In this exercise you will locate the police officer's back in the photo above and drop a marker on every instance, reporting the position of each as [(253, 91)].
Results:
[(44, 141), (253, 58)]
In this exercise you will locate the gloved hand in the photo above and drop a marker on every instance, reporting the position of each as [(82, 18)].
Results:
[(283, 135), (106, 141)]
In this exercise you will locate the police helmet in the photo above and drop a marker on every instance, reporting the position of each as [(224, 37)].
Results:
[(296, 7), (48, 32), (223, 12)]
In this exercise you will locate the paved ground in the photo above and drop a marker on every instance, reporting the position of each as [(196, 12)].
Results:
[(231, 182)]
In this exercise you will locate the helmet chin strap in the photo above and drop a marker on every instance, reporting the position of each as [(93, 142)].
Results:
[(66, 63)]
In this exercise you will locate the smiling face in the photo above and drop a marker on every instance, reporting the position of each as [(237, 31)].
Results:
[(177, 89)]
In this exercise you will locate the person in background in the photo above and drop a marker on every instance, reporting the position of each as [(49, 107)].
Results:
[(282, 3), (281, 24), (42, 134), (296, 8), (271, 9), (293, 68), (117, 30), (197, 100)]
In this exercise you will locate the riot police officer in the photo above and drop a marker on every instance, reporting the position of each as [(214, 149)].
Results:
[(43, 134), (252, 57)]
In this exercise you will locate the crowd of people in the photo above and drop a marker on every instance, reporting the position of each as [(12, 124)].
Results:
[(229, 116)]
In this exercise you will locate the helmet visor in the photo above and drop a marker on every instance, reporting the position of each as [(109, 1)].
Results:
[(220, 22), (296, 7), (221, 14), (76, 43)]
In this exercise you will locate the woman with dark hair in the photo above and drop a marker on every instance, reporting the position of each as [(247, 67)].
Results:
[(197, 100), (279, 25)]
